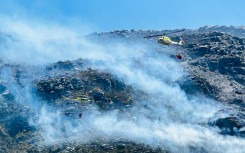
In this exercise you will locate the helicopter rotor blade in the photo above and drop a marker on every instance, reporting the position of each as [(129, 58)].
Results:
[(152, 36), (163, 34)]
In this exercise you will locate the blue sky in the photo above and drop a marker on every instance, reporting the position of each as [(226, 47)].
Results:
[(108, 15)]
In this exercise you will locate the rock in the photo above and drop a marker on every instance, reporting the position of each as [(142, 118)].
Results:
[(236, 31), (101, 146), (230, 125), (100, 87), (213, 57), (97, 94), (5, 140)]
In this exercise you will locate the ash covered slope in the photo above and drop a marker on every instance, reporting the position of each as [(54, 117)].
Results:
[(215, 65), (232, 30), (215, 60), (218, 60), (217, 51)]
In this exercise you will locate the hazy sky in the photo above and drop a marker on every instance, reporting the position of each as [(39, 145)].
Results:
[(107, 15)]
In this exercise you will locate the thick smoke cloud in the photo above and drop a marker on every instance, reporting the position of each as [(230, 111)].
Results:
[(167, 117), (37, 43)]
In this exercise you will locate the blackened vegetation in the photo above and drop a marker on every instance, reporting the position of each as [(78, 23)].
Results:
[(230, 126), (88, 86), (116, 146), (214, 57), (15, 131), (68, 65), (232, 30), (216, 63)]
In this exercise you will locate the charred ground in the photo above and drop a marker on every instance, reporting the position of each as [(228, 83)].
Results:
[(214, 58)]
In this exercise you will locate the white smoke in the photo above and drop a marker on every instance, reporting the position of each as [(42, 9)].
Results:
[(166, 117)]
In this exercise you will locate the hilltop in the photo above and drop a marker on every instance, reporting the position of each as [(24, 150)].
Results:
[(213, 63)]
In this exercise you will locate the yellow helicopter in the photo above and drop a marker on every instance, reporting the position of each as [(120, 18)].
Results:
[(165, 40)]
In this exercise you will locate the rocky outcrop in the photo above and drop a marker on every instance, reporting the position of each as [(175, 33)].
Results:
[(214, 57), (216, 63), (238, 31), (88, 86), (117, 146)]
